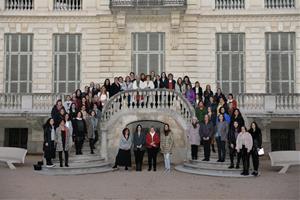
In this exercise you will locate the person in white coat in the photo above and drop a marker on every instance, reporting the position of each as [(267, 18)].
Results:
[(244, 144), (138, 84)]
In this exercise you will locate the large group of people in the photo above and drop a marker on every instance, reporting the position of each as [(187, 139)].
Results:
[(218, 121)]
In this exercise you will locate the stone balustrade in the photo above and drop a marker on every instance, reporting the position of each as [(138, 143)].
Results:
[(276, 104), (12, 104), (147, 3), (277, 4), (67, 5), (19, 4), (250, 104), (148, 99), (229, 4)]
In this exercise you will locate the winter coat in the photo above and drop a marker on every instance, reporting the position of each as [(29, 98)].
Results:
[(206, 130), (139, 140), (256, 137), (92, 126), (193, 134), (222, 130), (59, 141), (166, 143), (244, 139), (180, 88), (200, 113)]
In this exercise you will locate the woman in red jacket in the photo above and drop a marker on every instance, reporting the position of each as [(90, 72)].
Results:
[(152, 144)]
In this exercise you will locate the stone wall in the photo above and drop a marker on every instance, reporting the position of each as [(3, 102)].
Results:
[(114, 128)]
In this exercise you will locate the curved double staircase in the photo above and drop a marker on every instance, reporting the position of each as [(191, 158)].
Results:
[(135, 101)]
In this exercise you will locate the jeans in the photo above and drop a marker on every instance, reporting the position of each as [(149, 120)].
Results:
[(167, 160), (221, 148)]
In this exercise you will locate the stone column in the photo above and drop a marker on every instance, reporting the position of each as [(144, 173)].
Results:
[(104, 144), (266, 133)]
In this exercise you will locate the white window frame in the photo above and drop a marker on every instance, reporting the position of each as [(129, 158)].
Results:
[(19, 53), (160, 52), (241, 53), (280, 52), (66, 53)]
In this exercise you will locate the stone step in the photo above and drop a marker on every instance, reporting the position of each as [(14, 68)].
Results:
[(208, 166), (211, 172), (212, 161), (77, 169), (83, 159)]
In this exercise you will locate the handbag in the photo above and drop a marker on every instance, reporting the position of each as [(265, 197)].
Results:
[(261, 152)]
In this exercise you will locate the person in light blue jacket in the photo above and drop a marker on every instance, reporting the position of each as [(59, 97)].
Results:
[(221, 137)]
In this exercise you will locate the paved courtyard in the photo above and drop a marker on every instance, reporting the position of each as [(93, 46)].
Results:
[(24, 183)]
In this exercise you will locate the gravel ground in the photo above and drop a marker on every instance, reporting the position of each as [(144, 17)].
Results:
[(24, 183)]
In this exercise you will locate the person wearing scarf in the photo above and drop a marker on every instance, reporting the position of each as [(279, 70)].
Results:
[(166, 146), (152, 144), (123, 157)]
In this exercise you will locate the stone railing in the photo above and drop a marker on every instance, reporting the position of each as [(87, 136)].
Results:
[(276, 104), (18, 4), (159, 99), (229, 4), (67, 5), (147, 3), (28, 103), (277, 4), (42, 103)]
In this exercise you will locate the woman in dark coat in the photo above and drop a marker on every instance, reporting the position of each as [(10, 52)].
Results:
[(207, 94), (257, 144), (237, 116), (124, 154), (232, 136), (219, 95), (139, 141), (55, 112), (49, 139), (79, 132), (73, 111), (107, 85)]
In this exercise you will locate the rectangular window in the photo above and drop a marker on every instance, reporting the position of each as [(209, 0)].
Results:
[(18, 63), (283, 139), (280, 61), (67, 58), (230, 62), (148, 52), (16, 137)]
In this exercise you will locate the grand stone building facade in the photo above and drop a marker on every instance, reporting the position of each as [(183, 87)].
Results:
[(249, 48)]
